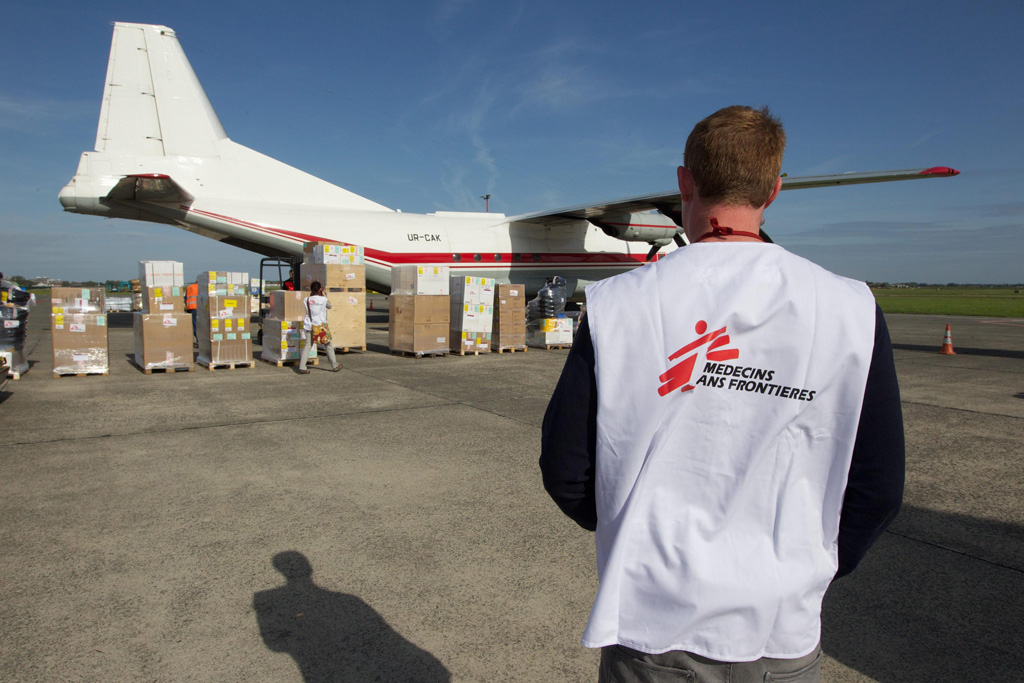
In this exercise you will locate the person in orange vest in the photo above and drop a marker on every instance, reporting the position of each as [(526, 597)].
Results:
[(192, 303)]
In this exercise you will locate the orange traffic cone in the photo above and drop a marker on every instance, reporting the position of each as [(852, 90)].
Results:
[(947, 344)]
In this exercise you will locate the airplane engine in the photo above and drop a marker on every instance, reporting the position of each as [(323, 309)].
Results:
[(653, 228)]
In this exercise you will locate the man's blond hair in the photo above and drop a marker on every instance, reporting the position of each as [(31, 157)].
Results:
[(735, 156)]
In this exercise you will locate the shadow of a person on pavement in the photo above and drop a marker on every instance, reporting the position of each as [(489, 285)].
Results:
[(336, 636)]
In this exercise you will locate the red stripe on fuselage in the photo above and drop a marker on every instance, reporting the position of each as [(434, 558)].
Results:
[(386, 258)]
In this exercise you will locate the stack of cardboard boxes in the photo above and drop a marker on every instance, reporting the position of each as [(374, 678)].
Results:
[(136, 286), (509, 318), (78, 322), (163, 330), (471, 314), (222, 319), (546, 333), (341, 269), (420, 310), (283, 336)]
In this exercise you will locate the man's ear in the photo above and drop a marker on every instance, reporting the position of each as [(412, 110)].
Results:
[(775, 192), (685, 183)]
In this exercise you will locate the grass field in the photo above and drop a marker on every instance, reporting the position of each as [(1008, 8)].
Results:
[(986, 301)]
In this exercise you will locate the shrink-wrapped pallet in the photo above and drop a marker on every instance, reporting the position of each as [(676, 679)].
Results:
[(283, 340), (222, 319), (471, 313), (509, 328), (163, 340), (78, 326), (419, 324)]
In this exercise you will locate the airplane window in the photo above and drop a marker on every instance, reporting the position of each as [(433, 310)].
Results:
[(517, 257), (536, 257), (497, 257), (456, 257), (477, 257)]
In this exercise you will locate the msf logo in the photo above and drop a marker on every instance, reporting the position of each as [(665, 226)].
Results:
[(678, 376)]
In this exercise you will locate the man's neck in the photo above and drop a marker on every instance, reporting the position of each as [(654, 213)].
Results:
[(739, 218)]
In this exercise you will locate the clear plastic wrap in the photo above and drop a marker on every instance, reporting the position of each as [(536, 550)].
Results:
[(163, 340), (550, 300), (283, 340), (412, 280), (79, 343)]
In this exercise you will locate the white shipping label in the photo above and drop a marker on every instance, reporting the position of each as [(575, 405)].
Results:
[(170, 321), (513, 292), (350, 276), (11, 323), (354, 301), (80, 357), (441, 340), (76, 327), (166, 307)]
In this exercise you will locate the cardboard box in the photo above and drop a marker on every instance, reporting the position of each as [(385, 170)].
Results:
[(163, 340), (418, 337), (77, 300), (466, 289), (160, 299), (332, 253), (347, 319), (419, 309), (79, 343), (509, 317), (282, 339), (411, 280), (351, 277), (223, 283), (549, 332), (285, 305), (161, 274)]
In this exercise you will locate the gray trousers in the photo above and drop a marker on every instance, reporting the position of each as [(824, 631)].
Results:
[(621, 664), (308, 348)]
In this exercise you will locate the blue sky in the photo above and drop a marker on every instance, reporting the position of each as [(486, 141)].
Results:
[(423, 106)]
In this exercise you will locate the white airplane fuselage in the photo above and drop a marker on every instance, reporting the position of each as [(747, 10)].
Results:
[(157, 122)]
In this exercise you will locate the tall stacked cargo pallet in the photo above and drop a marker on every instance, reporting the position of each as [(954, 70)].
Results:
[(163, 330), (341, 269), (283, 336), (509, 332), (222, 321), (419, 310), (14, 309), (78, 325), (472, 314)]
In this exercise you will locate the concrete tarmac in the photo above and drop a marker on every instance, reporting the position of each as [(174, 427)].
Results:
[(387, 523)]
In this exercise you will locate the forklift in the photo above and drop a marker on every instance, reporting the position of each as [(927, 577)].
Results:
[(270, 266)]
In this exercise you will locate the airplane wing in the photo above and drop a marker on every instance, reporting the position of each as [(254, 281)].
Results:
[(668, 202)]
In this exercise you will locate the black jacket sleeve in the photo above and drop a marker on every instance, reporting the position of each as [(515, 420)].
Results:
[(874, 490), (569, 434)]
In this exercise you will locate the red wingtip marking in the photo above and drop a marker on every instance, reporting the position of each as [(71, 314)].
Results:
[(940, 171)]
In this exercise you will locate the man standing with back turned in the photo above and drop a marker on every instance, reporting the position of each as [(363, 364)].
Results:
[(728, 422)]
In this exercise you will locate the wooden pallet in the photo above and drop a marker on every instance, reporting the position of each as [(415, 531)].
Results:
[(225, 366), (421, 354), (170, 370), (511, 349), (551, 347), (58, 375), (292, 361), (463, 352), (347, 349)]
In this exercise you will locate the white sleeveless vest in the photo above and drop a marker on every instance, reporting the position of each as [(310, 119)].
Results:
[(730, 378)]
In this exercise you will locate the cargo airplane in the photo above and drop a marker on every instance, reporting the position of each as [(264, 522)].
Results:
[(162, 156)]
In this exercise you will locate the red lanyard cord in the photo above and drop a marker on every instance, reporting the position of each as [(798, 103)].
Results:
[(722, 230)]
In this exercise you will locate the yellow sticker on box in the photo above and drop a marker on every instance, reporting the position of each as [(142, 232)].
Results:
[(158, 291), (230, 303)]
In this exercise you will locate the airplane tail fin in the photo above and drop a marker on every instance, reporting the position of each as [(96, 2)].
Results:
[(153, 104)]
